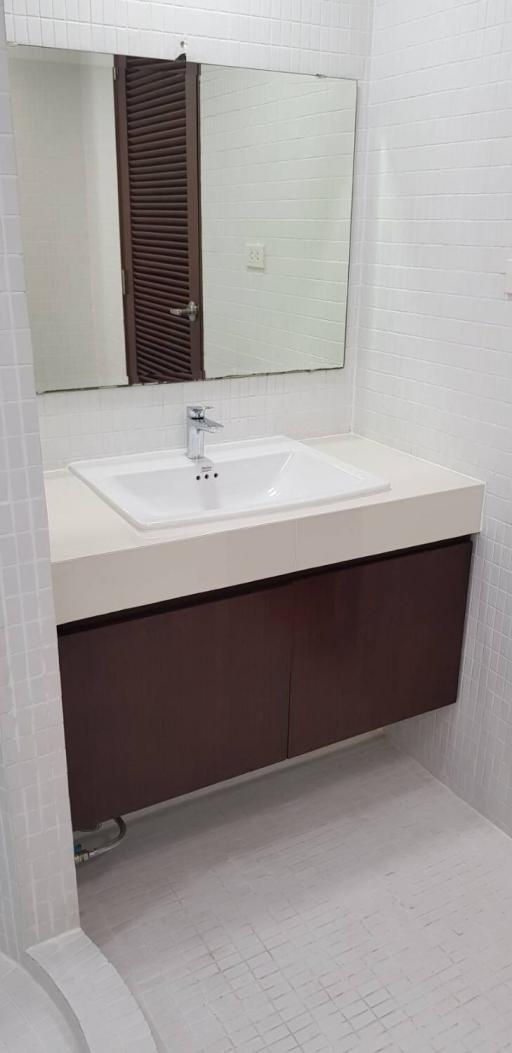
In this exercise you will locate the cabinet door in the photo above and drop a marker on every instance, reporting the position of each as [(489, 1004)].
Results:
[(159, 705), (376, 642)]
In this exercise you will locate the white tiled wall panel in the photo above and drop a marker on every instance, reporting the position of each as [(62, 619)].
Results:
[(37, 881), (277, 153), (303, 36), (67, 184), (110, 421), (435, 363)]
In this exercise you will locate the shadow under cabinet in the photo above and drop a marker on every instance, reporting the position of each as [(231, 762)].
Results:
[(163, 700)]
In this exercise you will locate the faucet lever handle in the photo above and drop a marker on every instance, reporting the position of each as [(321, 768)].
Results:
[(197, 412)]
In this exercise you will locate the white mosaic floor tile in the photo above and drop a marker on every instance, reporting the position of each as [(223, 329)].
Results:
[(349, 904)]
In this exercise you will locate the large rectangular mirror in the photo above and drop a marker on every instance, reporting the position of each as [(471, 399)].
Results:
[(180, 221)]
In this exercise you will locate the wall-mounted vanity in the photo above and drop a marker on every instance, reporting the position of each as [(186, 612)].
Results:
[(218, 610), (208, 649)]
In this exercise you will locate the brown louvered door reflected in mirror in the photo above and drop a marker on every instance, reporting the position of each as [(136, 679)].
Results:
[(158, 175)]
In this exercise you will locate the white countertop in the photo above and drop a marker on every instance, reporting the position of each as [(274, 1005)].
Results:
[(101, 564)]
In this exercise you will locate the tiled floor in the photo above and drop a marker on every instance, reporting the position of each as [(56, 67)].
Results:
[(29, 1021), (351, 903)]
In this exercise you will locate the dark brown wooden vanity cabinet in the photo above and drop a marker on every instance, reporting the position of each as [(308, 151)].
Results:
[(375, 642), (160, 704), (162, 701)]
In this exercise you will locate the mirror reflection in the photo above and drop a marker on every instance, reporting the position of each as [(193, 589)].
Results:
[(178, 221)]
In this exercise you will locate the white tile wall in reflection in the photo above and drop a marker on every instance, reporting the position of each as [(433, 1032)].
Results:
[(67, 186), (277, 154)]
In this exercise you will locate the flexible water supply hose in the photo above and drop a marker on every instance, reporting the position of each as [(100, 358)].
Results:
[(83, 855)]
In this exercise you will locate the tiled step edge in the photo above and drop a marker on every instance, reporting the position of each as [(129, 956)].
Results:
[(106, 1015)]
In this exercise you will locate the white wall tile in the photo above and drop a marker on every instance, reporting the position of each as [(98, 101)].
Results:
[(116, 420), (37, 880), (434, 367)]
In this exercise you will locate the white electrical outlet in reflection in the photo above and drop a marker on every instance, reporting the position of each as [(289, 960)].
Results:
[(255, 255)]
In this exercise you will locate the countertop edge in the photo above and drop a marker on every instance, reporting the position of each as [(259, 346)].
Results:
[(109, 582)]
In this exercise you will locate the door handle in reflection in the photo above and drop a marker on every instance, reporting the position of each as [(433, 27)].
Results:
[(191, 311)]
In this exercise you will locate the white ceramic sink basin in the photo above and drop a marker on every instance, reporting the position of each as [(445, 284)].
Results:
[(165, 489)]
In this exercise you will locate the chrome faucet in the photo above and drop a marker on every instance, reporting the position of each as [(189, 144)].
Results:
[(197, 424)]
